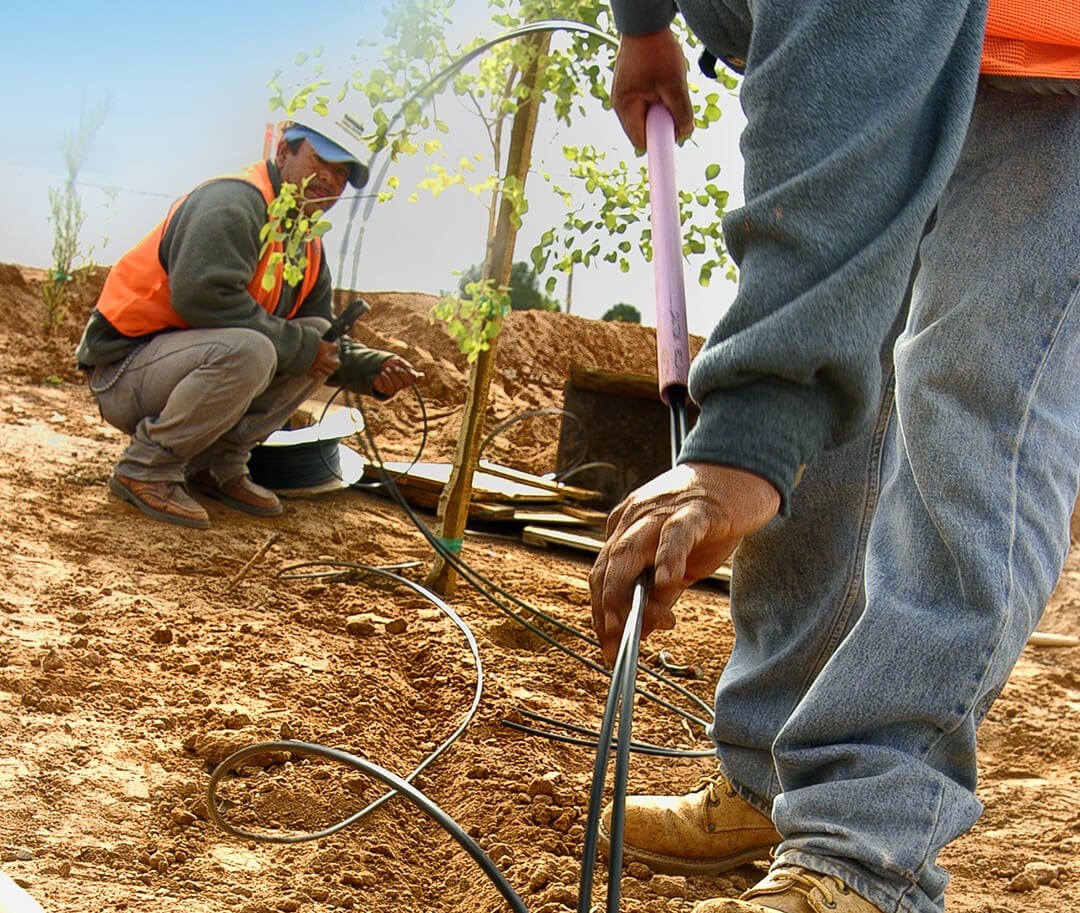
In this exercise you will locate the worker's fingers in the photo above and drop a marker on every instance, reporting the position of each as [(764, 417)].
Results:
[(327, 361), (631, 114), (696, 539), (677, 101), (394, 376), (650, 69), (681, 526), (615, 575), (620, 564)]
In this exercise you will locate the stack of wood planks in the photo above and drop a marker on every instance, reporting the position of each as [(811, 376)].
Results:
[(547, 512), (499, 493)]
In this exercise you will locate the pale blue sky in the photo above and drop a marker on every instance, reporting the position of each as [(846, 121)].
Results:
[(188, 98)]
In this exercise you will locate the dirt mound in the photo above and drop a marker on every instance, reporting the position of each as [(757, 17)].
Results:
[(535, 352)]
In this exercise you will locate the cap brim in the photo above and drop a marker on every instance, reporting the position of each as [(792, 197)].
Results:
[(330, 151)]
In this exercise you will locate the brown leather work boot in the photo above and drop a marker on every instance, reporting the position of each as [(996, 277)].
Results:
[(240, 494), (708, 831), (161, 499), (792, 889)]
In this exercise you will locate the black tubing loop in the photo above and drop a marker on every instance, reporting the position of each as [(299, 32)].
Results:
[(416, 771), (398, 786)]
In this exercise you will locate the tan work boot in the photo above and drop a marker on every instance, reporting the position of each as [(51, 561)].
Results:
[(711, 830), (240, 494), (792, 889), (162, 500)]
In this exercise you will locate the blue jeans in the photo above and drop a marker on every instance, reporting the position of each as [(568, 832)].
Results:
[(877, 623)]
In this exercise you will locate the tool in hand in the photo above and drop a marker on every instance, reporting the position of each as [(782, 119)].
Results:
[(344, 321), (672, 338)]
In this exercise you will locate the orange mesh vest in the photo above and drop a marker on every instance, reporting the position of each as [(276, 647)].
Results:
[(135, 298), (1033, 38)]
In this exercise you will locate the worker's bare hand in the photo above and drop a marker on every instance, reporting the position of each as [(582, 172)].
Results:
[(327, 360), (651, 69), (395, 375), (683, 525)]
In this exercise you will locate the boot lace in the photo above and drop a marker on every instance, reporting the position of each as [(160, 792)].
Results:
[(804, 882), (714, 784)]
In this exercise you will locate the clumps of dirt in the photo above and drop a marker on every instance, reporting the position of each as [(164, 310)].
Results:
[(32, 350), (135, 655)]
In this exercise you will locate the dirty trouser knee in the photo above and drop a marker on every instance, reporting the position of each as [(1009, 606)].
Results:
[(183, 391), (876, 765)]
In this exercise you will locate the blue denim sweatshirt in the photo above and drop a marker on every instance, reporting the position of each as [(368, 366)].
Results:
[(856, 113)]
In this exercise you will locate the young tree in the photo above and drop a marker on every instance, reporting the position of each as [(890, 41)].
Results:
[(394, 109), (505, 83), (67, 216)]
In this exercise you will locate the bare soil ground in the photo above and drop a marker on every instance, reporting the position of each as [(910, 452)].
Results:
[(135, 655)]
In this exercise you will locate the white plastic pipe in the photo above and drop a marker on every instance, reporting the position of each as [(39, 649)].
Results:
[(672, 340)]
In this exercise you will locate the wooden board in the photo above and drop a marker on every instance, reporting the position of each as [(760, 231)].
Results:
[(486, 486), (429, 500), (570, 492), (557, 516)]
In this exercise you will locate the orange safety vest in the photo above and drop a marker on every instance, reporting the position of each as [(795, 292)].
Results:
[(136, 300), (1039, 38)]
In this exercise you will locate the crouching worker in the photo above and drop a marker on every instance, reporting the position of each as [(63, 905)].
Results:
[(201, 344)]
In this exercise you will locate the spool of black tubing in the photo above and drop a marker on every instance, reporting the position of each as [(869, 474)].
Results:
[(311, 458), (309, 465)]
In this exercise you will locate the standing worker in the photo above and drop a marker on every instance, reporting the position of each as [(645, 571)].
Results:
[(901, 512), (204, 341)]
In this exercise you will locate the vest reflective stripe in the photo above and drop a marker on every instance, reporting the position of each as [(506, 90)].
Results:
[(1033, 38), (136, 300)]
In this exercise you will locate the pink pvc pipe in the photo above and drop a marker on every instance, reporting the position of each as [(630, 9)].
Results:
[(672, 341)]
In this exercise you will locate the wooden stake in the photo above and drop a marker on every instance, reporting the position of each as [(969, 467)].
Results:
[(454, 503), (262, 550)]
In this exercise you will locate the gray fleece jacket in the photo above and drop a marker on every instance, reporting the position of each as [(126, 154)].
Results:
[(845, 159), (210, 251)]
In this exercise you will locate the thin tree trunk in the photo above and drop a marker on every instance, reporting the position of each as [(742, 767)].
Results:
[(453, 512)]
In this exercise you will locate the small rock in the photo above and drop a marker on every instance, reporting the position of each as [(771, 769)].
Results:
[(359, 626), (52, 661), (501, 855), (564, 821), (544, 874), (1044, 872), (215, 746), (668, 886), (1023, 882), (182, 817), (545, 786), (361, 878)]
